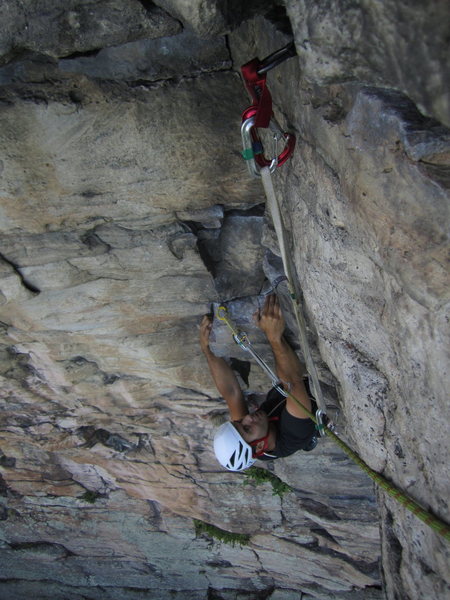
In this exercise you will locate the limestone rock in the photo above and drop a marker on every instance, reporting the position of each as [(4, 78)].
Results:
[(83, 25), (127, 213), (393, 44), (121, 180), (154, 59), (212, 17)]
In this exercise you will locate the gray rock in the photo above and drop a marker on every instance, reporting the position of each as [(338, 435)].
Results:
[(377, 44), (83, 25), (212, 17), (121, 180), (237, 257), (119, 231), (154, 59)]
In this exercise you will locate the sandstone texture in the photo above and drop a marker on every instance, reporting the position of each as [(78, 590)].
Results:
[(126, 213)]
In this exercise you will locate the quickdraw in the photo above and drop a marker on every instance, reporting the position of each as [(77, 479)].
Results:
[(260, 114), (241, 339)]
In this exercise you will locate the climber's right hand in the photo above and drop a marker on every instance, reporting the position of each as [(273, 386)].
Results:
[(205, 331)]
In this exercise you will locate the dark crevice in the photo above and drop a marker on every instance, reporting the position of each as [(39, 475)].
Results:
[(440, 173), (175, 80), (8, 462), (371, 569), (26, 284), (393, 545), (242, 367), (206, 257), (219, 564), (319, 509), (90, 194), (106, 438), (222, 594), (207, 237), (17, 366), (3, 487), (202, 245), (45, 548), (230, 54), (94, 242), (279, 18), (80, 366), (150, 7), (85, 54), (323, 533), (257, 210)]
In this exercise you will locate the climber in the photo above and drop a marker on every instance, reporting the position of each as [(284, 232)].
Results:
[(279, 427)]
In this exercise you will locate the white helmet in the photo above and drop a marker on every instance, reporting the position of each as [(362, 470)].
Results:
[(231, 450)]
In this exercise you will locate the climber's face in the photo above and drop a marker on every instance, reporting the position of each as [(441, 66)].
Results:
[(253, 426)]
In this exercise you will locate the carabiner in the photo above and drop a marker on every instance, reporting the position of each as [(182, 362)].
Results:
[(222, 313), (320, 424), (260, 114), (253, 151), (323, 421)]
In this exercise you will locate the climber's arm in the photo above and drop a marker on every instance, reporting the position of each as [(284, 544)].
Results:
[(288, 367), (224, 377), (289, 370)]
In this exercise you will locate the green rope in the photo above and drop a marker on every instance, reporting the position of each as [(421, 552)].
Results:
[(429, 519)]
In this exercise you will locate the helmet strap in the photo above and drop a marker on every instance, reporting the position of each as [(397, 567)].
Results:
[(263, 448), (264, 440)]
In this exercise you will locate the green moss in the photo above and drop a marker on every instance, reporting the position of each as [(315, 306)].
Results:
[(259, 476), (220, 534), (90, 497)]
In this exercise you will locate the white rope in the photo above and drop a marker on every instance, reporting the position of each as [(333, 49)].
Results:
[(275, 213)]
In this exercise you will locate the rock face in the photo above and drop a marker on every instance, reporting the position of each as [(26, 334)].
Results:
[(390, 44), (83, 25), (127, 213)]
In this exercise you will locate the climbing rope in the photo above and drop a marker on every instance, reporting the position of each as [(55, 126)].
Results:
[(274, 209), (428, 518), (259, 114)]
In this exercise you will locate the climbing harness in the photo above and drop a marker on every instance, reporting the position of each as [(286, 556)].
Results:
[(260, 115), (241, 338)]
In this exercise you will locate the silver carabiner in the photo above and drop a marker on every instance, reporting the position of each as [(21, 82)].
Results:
[(323, 421), (320, 414), (248, 149)]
